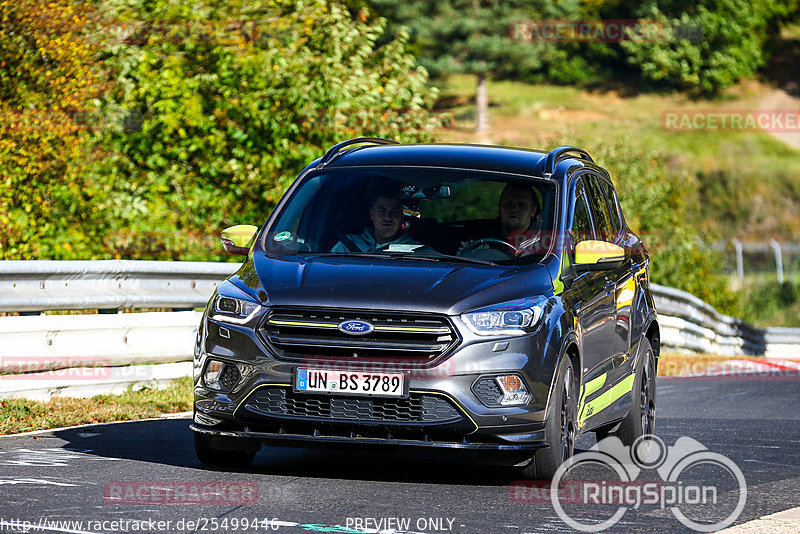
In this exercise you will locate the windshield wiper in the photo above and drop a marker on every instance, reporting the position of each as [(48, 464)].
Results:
[(449, 257), (405, 256)]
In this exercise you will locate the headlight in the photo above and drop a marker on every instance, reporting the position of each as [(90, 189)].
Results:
[(233, 305), (514, 318)]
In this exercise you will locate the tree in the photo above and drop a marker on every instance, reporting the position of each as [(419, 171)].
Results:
[(218, 106), (710, 45), (48, 81), (472, 37)]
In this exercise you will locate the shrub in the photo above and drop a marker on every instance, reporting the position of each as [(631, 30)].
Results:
[(218, 107), (47, 85)]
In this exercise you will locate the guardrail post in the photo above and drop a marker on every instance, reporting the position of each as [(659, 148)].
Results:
[(739, 261), (778, 259)]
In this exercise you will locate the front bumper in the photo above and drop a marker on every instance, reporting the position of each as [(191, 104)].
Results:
[(281, 437), (464, 423)]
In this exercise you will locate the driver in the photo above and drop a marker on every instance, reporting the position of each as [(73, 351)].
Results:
[(386, 214), (520, 214), (518, 223)]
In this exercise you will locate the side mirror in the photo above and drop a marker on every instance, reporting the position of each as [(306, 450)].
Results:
[(598, 256), (237, 239)]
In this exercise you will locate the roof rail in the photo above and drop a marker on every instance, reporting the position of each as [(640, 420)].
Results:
[(334, 151), (562, 152)]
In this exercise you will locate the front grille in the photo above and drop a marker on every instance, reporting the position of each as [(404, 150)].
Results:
[(302, 334), (418, 408)]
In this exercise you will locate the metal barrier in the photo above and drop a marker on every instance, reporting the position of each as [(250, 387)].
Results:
[(42, 343), (38, 285), (689, 324)]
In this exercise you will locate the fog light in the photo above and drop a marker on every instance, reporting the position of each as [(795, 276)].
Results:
[(503, 390), (514, 390), (221, 376)]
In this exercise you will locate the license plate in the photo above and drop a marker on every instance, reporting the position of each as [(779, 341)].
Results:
[(349, 383)]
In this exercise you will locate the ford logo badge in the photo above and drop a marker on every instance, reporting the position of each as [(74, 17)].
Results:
[(356, 328)]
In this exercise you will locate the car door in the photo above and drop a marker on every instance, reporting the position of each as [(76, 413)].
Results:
[(624, 277), (593, 295), (618, 281)]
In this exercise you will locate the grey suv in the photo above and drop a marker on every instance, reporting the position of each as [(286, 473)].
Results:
[(489, 299)]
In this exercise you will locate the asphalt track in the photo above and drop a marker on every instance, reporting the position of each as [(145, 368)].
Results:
[(72, 475)]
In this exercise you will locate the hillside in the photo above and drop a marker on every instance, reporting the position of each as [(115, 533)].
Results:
[(746, 184)]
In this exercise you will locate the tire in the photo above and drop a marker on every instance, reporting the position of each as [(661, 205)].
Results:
[(219, 458), (560, 429), (641, 419)]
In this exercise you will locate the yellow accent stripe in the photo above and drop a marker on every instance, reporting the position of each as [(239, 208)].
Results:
[(594, 385), (299, 323), (436, 330), (254, 390), (605, 400), (455, 403)]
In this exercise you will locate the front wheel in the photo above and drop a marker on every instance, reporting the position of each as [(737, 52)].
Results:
[(560, 430)]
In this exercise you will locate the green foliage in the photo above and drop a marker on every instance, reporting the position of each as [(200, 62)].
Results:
[(657, 206), (465, 36), (47, 85), (217, 108), (730, 44), (704, 47), (772, 304)]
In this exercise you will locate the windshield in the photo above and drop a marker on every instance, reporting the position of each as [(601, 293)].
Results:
[(414, 213)]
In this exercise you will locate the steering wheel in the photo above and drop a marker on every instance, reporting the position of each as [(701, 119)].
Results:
[(491, 242)]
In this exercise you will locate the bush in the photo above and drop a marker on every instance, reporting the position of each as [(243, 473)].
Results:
[(724, 42), (217, 108), (658, 206), (772, 304), (47, 86)]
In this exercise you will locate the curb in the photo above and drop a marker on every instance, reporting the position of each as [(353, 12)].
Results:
[(176, 415), (785, 521)]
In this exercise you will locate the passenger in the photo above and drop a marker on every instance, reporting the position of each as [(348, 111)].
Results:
[(386, 214)]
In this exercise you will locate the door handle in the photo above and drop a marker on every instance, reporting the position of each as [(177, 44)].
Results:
[(609, 287)]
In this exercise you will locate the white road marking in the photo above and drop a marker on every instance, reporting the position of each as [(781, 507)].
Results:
[(34, 481), (48, 457)]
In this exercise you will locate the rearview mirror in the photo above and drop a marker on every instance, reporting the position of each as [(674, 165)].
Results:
[(598, 256), (238, 239)]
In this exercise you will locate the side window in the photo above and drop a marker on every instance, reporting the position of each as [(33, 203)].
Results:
[(613, 204), (581, 221), (600, 214)]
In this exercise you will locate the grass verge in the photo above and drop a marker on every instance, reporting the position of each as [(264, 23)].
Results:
[(22, 415)]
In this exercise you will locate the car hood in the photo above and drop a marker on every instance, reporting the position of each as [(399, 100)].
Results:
[(387, 284)]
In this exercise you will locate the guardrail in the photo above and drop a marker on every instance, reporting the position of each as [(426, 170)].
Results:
[(42, 344), (690, 324), (38, 285), (80, 355)]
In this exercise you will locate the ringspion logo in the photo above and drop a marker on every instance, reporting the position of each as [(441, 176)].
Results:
[(704, 490)]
